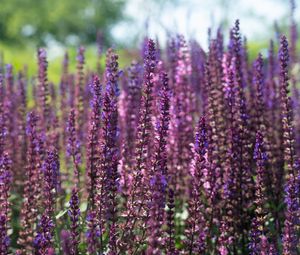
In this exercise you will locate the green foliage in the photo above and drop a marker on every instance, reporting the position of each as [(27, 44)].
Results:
[(41, 20), (19, 56)]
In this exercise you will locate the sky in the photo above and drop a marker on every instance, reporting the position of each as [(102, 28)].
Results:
[(192, 18)]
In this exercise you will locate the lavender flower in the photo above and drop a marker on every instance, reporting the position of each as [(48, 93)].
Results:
[(5, 183), (51, 177), (258, 233), (64, 91), (92, 234), (170, 242), (292, 166), (74, 214), (94, 137), (182, 121), (44, 238), (216, 112), (4, 239), (286, 109), (259, 84), (66, 243), (31, 188), (228, 236), (9, 111), (109, 146), (132, 103), (159, 173), (43, 90), (291, 223), (196, 229), (2, 116), (73, 146), (21, 126), (148, 178), (275, 129), (79, 92), (137, 197), (244, 178)]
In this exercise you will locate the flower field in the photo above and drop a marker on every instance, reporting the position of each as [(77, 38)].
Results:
[(185, 151)]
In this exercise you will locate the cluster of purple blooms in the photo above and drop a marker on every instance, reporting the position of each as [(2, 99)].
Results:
[(191, 152)]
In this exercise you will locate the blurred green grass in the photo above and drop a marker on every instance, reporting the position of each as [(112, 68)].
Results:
[(26, 55)]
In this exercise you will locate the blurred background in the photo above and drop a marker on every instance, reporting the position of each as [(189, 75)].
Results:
[(65, 24)]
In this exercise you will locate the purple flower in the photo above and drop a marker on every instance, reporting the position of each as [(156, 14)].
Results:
[(290, 239), (93, 141), (21, 126), (136, 203), (43, 90), (4, 238), (3, 131), (182, 109), (258, 82), (109, 148), (6, 179), (158, 174), (79, 94), (131, 102), (44, 238), (243, 139), (258, 235), (196, 229), (9, 103), (170, 241), (286, 109), (92, 234), (74, 214), (32, 188), (51, 177), (80, 55), (5, 183), (73, 146), (148, 177), (66, 242)]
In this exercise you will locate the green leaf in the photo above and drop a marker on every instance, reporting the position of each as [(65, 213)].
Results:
[(60, 214)]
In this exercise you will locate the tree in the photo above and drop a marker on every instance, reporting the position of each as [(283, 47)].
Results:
[(62, 20)]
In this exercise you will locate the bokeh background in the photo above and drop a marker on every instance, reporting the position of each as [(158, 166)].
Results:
[(65, 24)]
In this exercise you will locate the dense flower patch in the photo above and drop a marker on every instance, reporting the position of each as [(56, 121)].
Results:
[(189, 152)]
